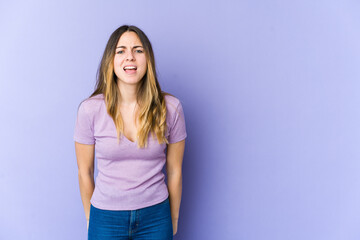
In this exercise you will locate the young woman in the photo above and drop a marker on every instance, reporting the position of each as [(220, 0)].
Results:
[(129, 122)]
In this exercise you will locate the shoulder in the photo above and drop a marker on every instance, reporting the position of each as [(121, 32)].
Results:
[(172, 102), (173, 106), (91, 104)]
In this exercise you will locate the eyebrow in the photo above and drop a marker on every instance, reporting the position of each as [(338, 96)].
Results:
[(125, 47)]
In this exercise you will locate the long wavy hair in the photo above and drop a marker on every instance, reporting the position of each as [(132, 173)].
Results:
[(152, 109)]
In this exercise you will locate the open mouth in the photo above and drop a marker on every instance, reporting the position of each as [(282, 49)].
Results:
[(130, 69)]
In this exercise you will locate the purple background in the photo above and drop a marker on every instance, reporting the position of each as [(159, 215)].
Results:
[(270, 91)]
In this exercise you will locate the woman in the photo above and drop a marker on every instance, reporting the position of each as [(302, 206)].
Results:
[(130, 123)]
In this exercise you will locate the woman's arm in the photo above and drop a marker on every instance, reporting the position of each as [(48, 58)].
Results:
[(85, 162), (174, 159)]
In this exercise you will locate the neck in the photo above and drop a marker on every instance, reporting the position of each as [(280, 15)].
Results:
[(128, 94)]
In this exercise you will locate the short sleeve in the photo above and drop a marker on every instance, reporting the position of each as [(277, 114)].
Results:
[(178, 128), (84, 130)]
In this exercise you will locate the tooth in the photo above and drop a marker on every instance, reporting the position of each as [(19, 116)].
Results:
[(130, 68)]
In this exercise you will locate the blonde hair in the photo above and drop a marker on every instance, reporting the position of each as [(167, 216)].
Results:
[(151, 100)]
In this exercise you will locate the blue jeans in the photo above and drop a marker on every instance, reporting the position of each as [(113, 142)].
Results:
[(153, 222)]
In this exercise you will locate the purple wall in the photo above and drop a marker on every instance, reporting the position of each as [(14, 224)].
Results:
[(270, 91)]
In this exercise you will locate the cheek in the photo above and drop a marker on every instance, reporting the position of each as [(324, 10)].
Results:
[(144, 69), (117, 61), (144, 63), (117, 66)]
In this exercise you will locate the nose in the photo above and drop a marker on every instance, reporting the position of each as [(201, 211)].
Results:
[(130, 56)]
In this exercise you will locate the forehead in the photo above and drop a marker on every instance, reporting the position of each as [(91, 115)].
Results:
[(129, 39)]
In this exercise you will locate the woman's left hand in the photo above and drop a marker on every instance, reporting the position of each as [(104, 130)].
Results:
[(175, 225)]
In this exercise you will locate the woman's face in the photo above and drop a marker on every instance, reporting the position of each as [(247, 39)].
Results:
[(130, 60)]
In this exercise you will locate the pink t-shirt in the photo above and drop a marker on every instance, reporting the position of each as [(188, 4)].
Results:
[(128, 177)]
